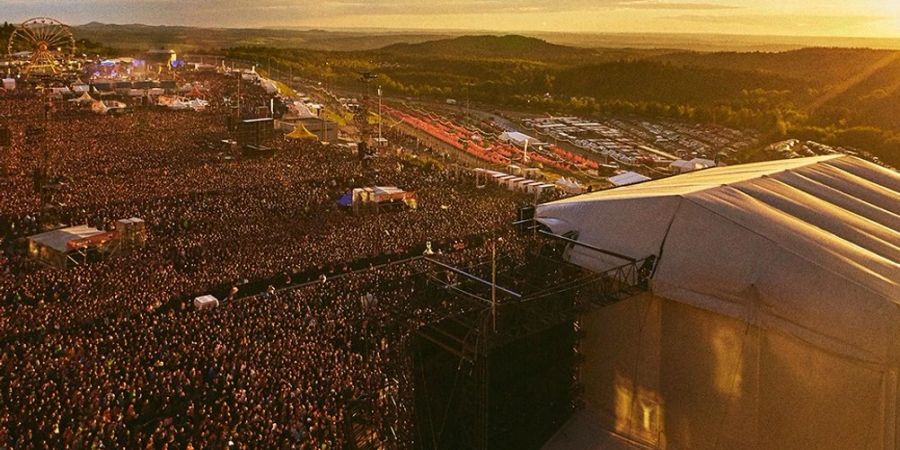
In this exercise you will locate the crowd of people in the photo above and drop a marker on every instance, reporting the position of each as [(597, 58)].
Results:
[(110, 354), (290, 369)]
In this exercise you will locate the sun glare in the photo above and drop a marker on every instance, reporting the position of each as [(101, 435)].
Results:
[(892, 9)]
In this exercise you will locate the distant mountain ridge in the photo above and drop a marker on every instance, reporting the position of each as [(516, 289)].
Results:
[(131, 37), (489, 46), (351, 39), (819, 65)]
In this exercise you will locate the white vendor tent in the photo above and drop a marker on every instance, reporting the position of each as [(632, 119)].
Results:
[(704, 163), (206, 302), (108, 106), (569, 186), (626, 178), (301, 110), (198, 104), (682, 166), (771, 319), (174, 102), (519, 139), (99, 107), (268, 85), (85, 98)]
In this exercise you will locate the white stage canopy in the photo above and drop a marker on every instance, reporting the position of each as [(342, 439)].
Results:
[(809, 246)]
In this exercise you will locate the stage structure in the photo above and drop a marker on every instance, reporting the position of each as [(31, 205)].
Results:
[(503, 372), (255, 131), (76, 245), (45, 44), (379, 198), (44, 179), (771, 321)]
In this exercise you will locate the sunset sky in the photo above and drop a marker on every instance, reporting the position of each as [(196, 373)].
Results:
[(865, 18)]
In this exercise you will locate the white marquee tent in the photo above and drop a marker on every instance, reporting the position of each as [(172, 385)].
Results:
[(269, 85), (627, 178), (85, 98), (773, 316)]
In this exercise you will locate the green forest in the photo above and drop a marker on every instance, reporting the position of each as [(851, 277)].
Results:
[(836, 96)]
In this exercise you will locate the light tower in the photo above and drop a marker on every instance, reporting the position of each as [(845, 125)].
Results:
[(379, 115)]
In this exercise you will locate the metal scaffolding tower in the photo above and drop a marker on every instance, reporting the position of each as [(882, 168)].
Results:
[(511, 345)]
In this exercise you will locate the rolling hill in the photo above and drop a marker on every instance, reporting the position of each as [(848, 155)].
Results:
[(819, 66), (138, 37), (510, 47)]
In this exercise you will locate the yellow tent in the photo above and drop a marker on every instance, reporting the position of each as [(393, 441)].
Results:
[(341, 119), (300, 132)]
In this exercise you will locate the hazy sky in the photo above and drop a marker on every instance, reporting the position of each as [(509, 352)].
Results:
[(871, 18)]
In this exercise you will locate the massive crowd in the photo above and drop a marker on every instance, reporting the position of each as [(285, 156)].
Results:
[(110, 354), (281, 370)]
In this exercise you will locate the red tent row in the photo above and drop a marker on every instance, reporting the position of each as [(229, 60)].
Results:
[(577, 159), (459, 137)]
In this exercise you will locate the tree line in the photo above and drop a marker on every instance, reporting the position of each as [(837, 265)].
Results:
[(772, 103)]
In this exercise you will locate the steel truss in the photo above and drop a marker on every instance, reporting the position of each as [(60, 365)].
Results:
[(537, 297)]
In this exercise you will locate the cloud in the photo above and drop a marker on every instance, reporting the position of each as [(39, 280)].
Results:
[(799, 25), (280, 11), (717, 16), (673, 5), (778, 20), (418, 7)]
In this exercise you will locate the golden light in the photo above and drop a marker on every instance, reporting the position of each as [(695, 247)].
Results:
[(891, 8)]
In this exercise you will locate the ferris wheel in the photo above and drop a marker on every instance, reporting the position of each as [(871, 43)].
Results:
[(46, 44)]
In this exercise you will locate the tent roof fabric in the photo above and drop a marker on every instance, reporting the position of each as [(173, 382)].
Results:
[(388, 190), (518, 138), (807, 246), (302, 110), (58, 239), (703, 162), (584, 430), (627, 178), (84, 98), (301, 132), (346, 200), (683, 164)]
